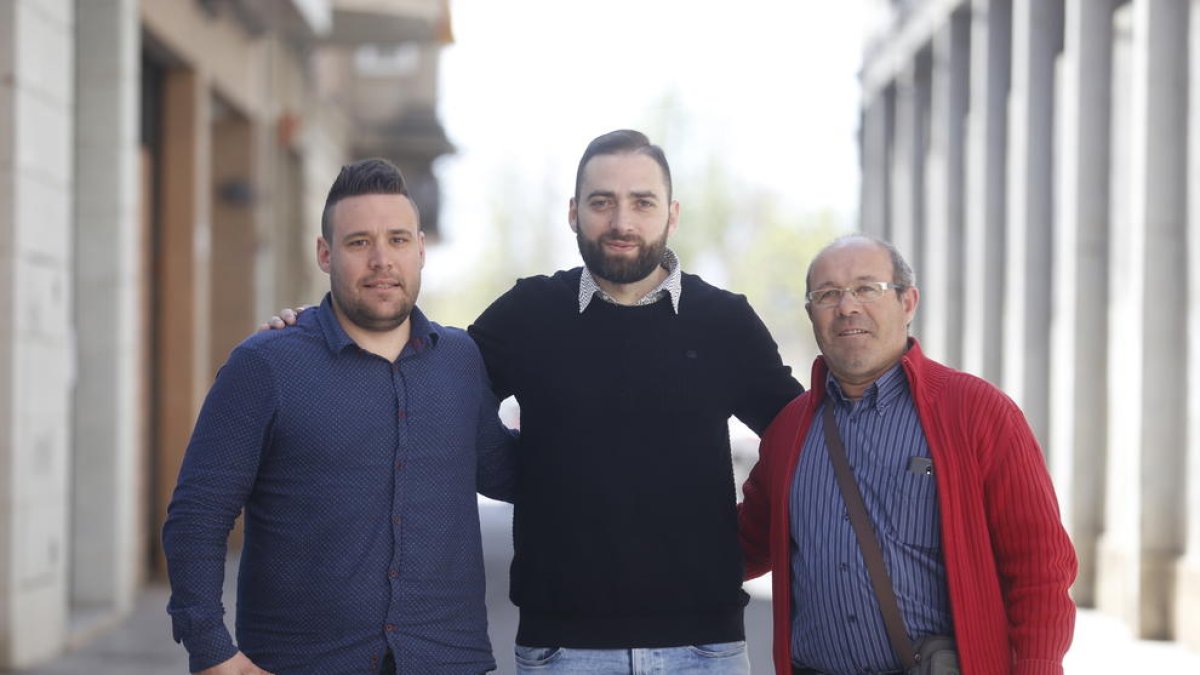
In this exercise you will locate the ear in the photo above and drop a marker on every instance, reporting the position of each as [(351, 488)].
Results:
[(323, 254), (909, 301), (573, 215), (672, 216), (421, 245)]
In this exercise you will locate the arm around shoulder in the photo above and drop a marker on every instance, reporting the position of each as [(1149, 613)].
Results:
[(760, 491)]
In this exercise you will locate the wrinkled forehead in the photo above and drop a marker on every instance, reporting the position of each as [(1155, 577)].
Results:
[(848, 262)]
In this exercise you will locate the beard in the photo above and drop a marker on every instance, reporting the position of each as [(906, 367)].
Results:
[(377, 317), (617, 269)]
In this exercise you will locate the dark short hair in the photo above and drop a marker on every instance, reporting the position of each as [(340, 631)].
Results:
[(622, 141), (902, 272), (375, 176)]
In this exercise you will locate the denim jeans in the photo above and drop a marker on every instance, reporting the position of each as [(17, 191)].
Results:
[(724, 658)]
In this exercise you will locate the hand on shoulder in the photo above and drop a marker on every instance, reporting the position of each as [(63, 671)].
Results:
[(286, 317)]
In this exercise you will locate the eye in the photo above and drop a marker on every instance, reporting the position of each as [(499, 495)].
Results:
[(828, 296), (599, 202), (356, 243), (868, 292), (646, 203)]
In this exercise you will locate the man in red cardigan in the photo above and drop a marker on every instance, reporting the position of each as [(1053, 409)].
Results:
[(953, 480)]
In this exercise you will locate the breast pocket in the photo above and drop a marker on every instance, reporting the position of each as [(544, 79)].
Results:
[(913, 509)]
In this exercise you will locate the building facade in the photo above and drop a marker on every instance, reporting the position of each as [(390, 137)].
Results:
[(1039, 162), (163, 165)]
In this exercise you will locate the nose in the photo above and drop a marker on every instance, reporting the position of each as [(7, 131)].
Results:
[(622, 220), (378, 258), (849, 304)]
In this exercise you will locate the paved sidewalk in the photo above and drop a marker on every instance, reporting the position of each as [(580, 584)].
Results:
[(142, 645)]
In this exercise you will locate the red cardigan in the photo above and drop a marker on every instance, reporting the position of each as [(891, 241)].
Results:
[(1009, 562)]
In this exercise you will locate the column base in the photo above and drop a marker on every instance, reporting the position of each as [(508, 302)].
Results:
[(1084, 590), (1187, 599), (1137, 587)]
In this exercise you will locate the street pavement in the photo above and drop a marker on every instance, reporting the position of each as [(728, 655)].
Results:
[(142, 644)]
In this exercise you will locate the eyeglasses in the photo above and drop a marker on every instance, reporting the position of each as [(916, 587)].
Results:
[(866, 292)]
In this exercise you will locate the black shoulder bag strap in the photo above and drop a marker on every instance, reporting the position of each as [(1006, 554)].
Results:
[(867, 541)]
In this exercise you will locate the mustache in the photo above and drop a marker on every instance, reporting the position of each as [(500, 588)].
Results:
[(631, 238)]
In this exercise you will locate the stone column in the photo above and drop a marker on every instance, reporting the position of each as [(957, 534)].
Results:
[(108, 531), (1144, 518), (1037, 40), (908, 164), (876, 143), (1187, 612), (1078, 329), (987, 153), (942, 267), (37, 350)]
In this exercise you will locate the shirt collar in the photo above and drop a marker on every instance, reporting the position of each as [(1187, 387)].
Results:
[(423, 334), (672, 286), (881, 394)]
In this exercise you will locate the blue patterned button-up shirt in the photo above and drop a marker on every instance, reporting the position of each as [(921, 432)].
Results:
[(358, 478)]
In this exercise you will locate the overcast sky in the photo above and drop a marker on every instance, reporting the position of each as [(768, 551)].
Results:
[(770, 87)]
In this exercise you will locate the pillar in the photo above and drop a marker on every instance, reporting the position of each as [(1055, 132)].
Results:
[(1144, 517), (108, 528), (1037, 40), (908, 164), (987, 153), (37, 350), (942, 258), (875, 151), (1078, 330), (1187, 612)]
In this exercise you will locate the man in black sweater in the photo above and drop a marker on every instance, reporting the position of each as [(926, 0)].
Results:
[(626, 554)]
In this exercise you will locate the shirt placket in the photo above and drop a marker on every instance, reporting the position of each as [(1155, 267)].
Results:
[(400, 458)]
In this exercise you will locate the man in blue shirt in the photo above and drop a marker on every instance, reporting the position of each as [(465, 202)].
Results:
[(356, 445)]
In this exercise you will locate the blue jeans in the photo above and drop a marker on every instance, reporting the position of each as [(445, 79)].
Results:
[(724, 658)]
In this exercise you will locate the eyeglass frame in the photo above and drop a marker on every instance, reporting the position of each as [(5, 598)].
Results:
[(883, 287)]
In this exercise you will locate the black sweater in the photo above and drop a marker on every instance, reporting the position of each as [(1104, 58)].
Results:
[(625, 528)]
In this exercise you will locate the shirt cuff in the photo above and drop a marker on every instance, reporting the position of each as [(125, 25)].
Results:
[(209, 647)]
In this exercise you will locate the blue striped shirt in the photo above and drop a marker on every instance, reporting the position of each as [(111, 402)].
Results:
[(836, 623)]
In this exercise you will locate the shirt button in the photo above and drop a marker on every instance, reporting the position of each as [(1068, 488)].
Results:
[(401, 414), (845, 567), (395, 520), (399, 465), (852, 619), (390, 628), (392, 574)]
